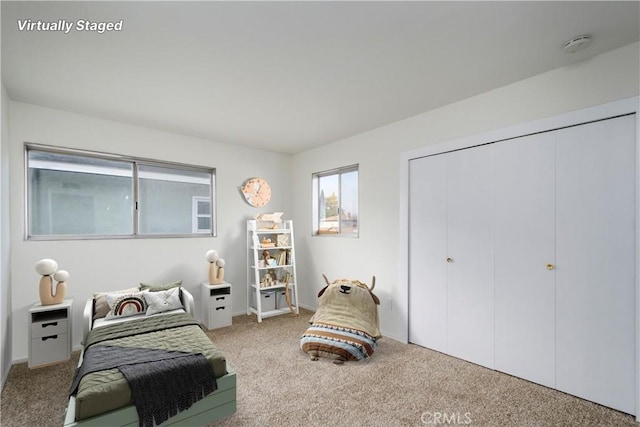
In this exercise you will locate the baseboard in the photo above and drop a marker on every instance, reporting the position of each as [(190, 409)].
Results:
[(5, 372), (24, 359), (5, 375), (244, 313), (306, 307)]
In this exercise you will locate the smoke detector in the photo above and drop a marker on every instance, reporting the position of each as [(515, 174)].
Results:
[(577, 43)]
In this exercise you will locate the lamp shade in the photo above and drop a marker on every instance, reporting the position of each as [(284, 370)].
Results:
[(46, 267), (212, 256), (61, 275)]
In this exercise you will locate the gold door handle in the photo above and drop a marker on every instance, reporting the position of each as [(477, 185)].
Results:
[(550, 266), (449, 260)]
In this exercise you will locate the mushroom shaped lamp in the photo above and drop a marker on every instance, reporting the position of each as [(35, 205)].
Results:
[(216, 267), (46, 268)]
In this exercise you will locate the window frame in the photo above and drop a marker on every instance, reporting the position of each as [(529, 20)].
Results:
[(135, 162), (316, 205), (195, 201)]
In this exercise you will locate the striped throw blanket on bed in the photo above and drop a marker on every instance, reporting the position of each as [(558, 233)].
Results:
[(349, 343)]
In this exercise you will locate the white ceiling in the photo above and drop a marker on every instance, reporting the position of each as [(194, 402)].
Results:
[(288, 76)]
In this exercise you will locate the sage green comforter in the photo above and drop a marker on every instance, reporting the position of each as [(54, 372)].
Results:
[(103, 391)]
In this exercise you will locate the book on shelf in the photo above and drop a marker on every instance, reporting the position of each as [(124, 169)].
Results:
[(282, 257)]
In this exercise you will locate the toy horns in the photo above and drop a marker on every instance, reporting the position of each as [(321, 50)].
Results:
[(325, 279)]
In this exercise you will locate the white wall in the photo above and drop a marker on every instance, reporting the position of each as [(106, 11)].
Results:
[(5, 244), (111, 264), (98, 265), (604, 78)]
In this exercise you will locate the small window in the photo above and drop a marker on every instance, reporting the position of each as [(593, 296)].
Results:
[(201, 215), (335, 202), (77, 194)]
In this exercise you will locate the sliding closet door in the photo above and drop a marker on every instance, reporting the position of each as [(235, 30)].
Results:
[(450, 254), (524, 247), (469, 257), (427, 251), (595, 257)]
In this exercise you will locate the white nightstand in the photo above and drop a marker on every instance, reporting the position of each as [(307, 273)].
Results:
[(216, 305), (50, 333)]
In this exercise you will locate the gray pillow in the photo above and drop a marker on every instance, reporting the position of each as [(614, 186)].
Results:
[(157, 288)]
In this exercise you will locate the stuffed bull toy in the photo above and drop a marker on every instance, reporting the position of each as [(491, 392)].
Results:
[(345, 326)]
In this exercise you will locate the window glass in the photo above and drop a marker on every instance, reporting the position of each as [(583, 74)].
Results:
[(78, 195), (329, 205), (201, 214), (335, 206), (349, 203), (166, 199), (73, 194)]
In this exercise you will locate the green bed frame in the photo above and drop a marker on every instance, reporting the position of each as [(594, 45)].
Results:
[(219, 404)]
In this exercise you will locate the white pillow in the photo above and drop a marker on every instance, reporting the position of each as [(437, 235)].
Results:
[(162, 300), (101, 306), (124, 305)]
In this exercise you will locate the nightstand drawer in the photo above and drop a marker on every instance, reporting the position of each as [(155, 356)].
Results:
[(220, 317), (49, 349), (48, 328), (219, 300)]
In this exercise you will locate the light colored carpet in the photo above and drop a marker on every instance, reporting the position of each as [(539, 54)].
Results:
[(401, 385)]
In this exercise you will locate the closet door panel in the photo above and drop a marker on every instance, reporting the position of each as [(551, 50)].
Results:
[(427, 250), (470, 247), (524, 185), (596, 262)]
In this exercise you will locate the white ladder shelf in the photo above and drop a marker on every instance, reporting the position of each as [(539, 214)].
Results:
[(267, 283)]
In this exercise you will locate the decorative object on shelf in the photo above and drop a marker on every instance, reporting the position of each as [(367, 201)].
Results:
[(282, 240), (266, 257), (269, 221), (47, 268), (216, 267), (267, 280), (267, 243), (256, 192), (347, 313)]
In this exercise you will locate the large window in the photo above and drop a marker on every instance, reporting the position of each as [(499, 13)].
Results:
[(73, 194), (335, 202)]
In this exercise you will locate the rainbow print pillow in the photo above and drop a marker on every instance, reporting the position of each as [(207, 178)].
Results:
[(124, 305)]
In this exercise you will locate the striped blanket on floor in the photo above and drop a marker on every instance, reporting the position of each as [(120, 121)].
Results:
[(348, 344)]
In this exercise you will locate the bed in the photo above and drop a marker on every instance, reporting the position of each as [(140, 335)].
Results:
[(104, 398)]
